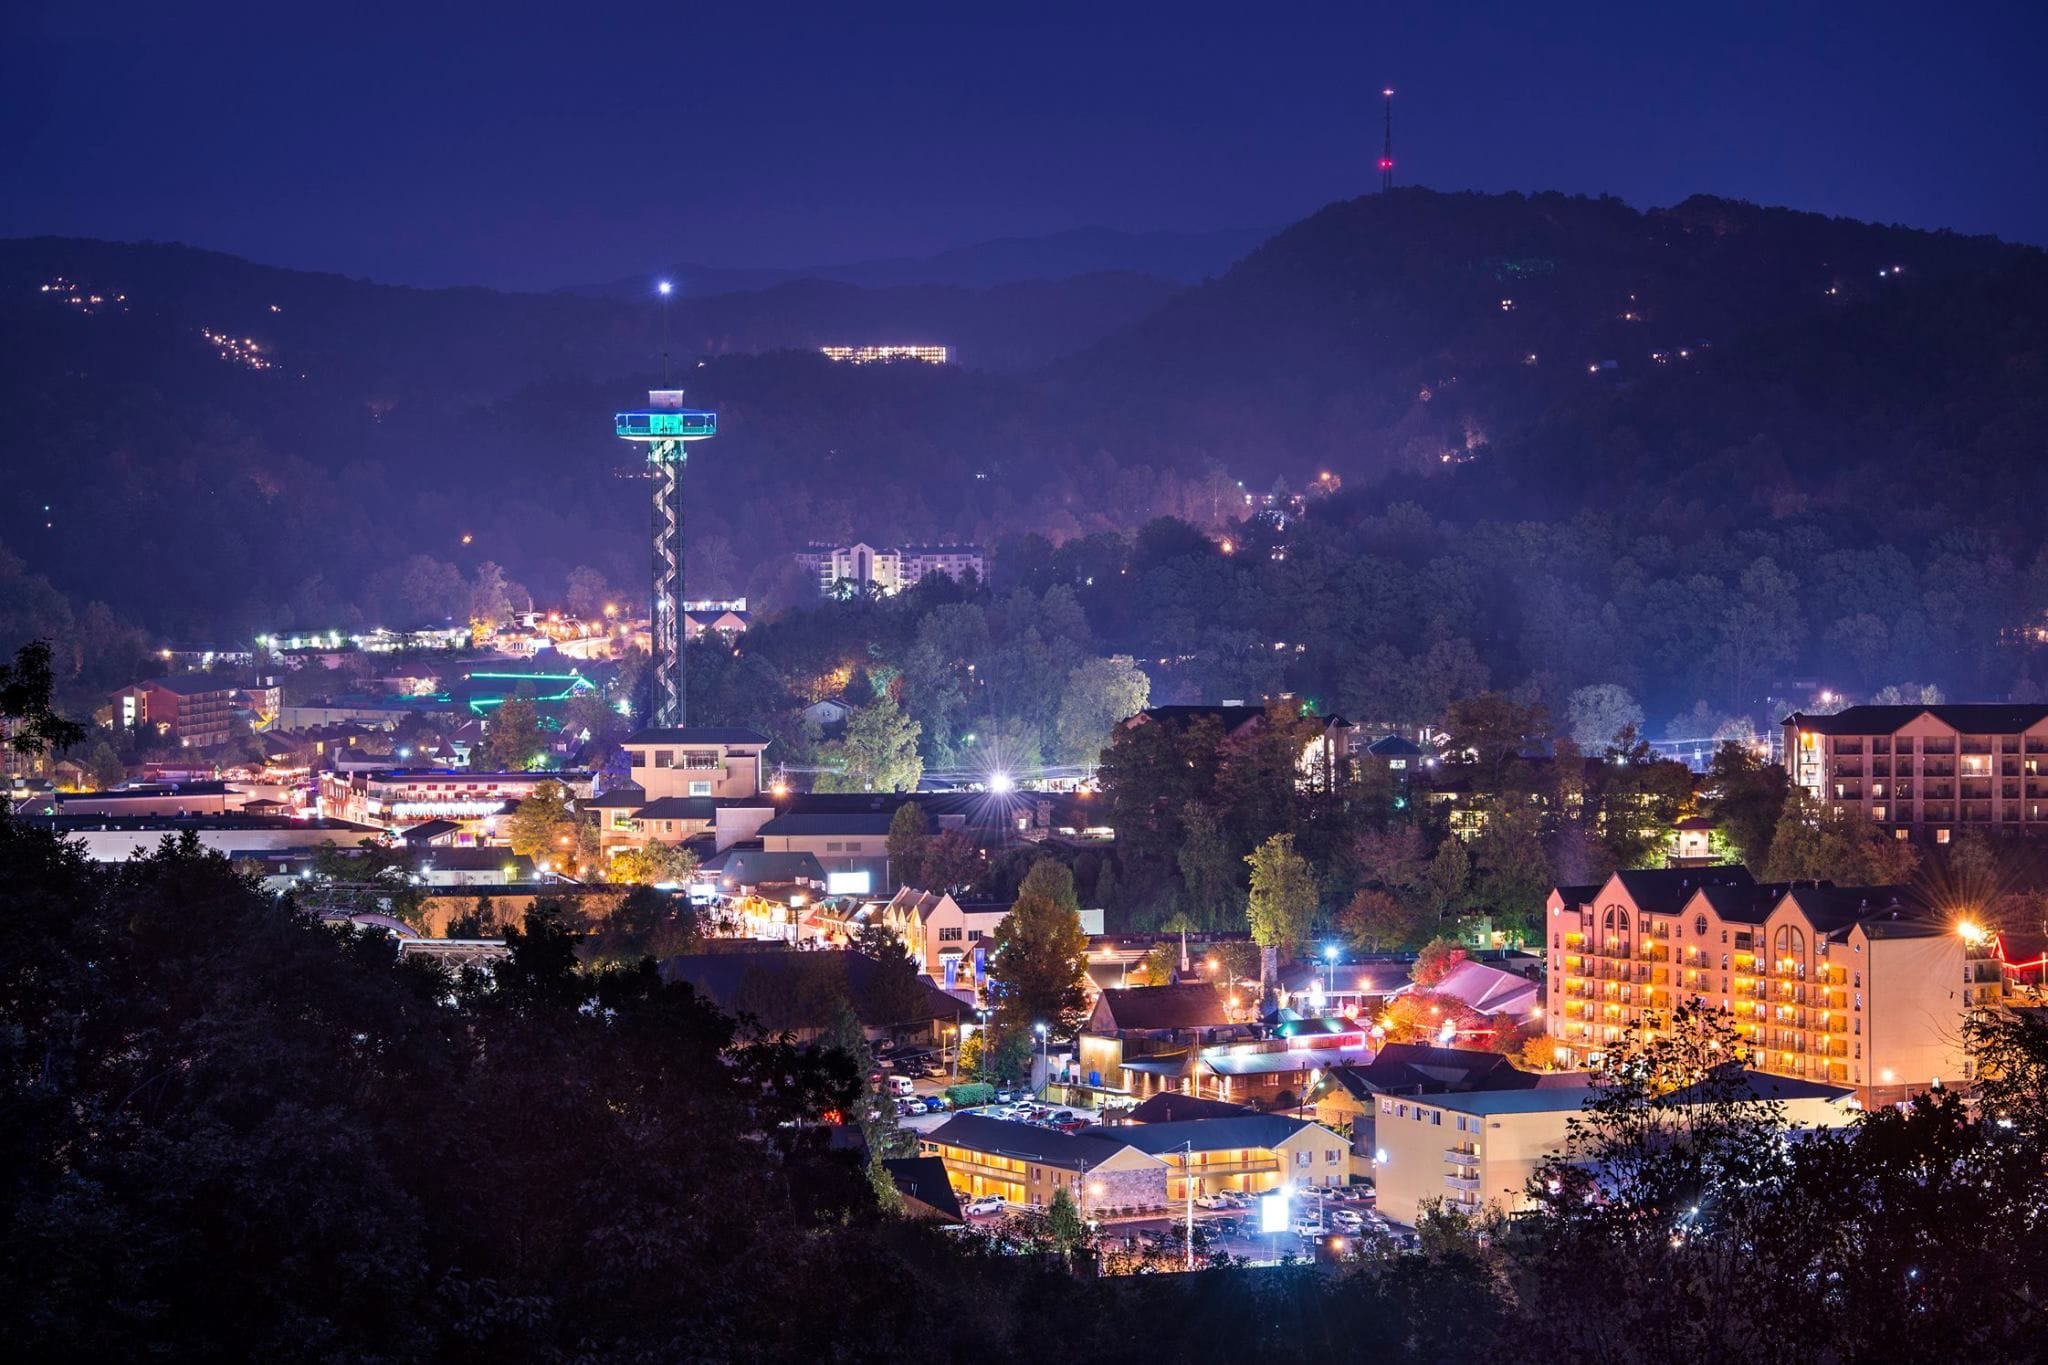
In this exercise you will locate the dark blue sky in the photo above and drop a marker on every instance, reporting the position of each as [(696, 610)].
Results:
[(538, 145)]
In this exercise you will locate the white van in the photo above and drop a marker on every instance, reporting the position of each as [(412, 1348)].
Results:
[(901, 1087)]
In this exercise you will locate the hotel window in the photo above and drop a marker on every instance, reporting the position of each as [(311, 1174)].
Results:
[(949, 935), (700, 789), (664, 758), (832, 846), (1330, 1157), (973, 934)]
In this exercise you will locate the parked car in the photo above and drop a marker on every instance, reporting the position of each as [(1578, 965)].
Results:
[(1073, 1125), (1347, 1220), (988, 1203), (1211, 1201), (1307, 1227), (935, 1104), (1222, 1227)]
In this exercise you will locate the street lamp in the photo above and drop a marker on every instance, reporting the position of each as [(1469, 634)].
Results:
[(1044, 1061), (1330, 966), (982, 1030)]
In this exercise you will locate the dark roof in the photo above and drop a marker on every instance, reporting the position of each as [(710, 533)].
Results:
[(1750, 904), (192, 684), (618, 798), (1165, 1007), (1419, 1069), (1831, 908), (1665, 890), (877, 823), (1029, 1142), (781, 973), (1759, 1085), (924, 1179), (1394, 746), (428, 830), (697, 734), (679, 808), (1577, 895), (1167, 1107), (1208, 1135), (1971, 718), (477, 860), (1231, 716), (155, 791), (752, 867)]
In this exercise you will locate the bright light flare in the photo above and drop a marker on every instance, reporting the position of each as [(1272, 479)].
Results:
[(1001, 783)]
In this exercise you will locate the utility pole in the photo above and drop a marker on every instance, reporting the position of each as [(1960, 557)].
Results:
[(1188, 1180)]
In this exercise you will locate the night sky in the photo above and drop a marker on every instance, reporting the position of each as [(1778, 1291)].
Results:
[(533, 146)]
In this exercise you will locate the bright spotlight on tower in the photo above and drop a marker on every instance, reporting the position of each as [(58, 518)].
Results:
[(1000, 782), (665, 287)]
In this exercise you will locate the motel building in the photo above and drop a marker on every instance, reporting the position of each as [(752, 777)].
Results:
[(1482, 1147), (1145, 1165)]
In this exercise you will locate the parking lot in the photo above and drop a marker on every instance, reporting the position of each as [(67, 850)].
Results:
[(1235, 1231)]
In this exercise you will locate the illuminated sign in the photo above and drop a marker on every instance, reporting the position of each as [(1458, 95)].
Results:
[(859, 883), (1274, 1215)]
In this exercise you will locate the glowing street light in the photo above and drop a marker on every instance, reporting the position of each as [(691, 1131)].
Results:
[(1001, 782)]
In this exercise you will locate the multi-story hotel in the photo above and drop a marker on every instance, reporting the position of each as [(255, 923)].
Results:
[(1865, 987), (396, 798), (889, 569), (1926, 769)]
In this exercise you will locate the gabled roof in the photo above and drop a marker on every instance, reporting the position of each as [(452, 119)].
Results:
[(1394, 746), (1970, 718), (1162, 1007), (1209, 1135), (1029, 1142), (1489, 990), (1577, 895), (698, 734), (1829, 908), (679, 808), (923, 1179), (618, 798), (752, 867), (1169, 1106), (1665, 890), (1750, 904)]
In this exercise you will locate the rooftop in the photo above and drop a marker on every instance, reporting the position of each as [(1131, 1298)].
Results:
[(802, 825), (1029, 1142), (1970, 718), (1665, 890), (698, 734), (1163, 1007)]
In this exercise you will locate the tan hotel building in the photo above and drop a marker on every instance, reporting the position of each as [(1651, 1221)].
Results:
[(1481, 1147), (1926, 769), (1864, 987)]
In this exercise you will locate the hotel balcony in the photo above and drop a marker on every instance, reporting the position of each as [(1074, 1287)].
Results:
[(1458, 1156), (1462, 1182)]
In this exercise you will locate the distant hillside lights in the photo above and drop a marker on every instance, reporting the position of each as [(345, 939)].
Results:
[(862, 355)]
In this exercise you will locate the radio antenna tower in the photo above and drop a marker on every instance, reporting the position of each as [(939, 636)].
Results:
[(1387, 149)]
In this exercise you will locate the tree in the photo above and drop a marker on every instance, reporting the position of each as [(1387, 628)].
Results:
[(1817, 841), (1375, 919), (543, 825), (1099, 694), (951, 860), (588, 593), (1514, 872), (874, 1109), (106, 766), (1283, 901), (1035, 970), (909, 833), (893, 991), (513, 738), (25, 689), (1746, 801), (1495, 728), (1599, 712), (653, 864), (490, 596), (1054, 880), (646, 923), (1208, 872), (1435, 961), (877, 752), (1446, 883), (1064, 1225)]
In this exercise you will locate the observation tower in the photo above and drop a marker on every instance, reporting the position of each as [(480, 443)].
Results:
[(666, 428)]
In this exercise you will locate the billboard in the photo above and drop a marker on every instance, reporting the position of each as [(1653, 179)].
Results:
[(859, 883)]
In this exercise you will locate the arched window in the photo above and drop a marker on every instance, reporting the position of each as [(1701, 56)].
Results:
[(1789, 942), (1699, 926)]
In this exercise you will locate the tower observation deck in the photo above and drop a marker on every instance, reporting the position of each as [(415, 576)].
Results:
[(666, 427)]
